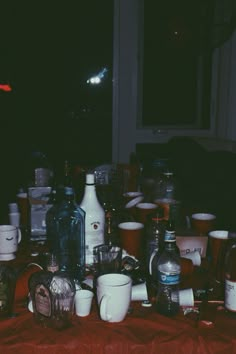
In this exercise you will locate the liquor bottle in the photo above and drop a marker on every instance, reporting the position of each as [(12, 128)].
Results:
[(7, 290), (169, 270), (94, 219), (65, 223), (230, 277), (67, 180), (52, 295), (155, 230), (166, 186)]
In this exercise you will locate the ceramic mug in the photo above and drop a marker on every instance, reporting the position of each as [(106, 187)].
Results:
[(10, 237), (114, 296)]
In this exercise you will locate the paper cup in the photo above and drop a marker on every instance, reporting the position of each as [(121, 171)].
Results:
[(139, 292), (194, 256), (83, 302)]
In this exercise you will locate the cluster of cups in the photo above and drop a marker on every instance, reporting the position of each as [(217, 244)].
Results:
[(114, 293)]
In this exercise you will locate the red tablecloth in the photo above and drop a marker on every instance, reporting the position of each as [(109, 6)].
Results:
[(142, 331)]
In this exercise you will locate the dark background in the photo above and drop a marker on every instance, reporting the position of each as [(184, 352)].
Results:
[(47, 52)]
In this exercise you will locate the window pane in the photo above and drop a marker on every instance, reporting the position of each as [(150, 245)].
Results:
[(177, 74)]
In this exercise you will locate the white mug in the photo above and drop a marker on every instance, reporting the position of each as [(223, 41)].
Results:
[(114, 296), (10, 237)]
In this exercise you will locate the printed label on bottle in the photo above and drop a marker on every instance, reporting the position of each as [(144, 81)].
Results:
[(170, 236), (230, 295), (169, 278), (92, 240), (42, 300)]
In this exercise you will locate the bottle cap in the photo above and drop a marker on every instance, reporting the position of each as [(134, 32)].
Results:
[(90, 178)]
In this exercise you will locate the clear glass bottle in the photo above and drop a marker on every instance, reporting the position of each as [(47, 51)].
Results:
[(166, 187), (169, 270), (94, 219), (155, 230), (52, 295), (229, 267), (65, 223), (52, 263)]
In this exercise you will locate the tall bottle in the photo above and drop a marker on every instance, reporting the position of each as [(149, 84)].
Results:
[(169, 270), (65, 223), (230, 277), (94, 219), (155, 230)]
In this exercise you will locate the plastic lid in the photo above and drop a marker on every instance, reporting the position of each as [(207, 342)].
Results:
[(146, 303), (134, 202), (90, 178)]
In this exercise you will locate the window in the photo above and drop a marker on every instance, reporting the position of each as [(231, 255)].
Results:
[(141, 114), (176, 65)]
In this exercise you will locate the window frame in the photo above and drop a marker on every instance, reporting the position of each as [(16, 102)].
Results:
[(127, 88)]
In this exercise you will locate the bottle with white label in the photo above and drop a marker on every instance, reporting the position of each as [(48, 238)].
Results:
[(94, 218), (230, 278), (168, 272)]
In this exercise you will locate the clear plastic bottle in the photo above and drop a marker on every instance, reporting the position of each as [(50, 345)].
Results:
[(65, 223), (94, 219), (169, 270)]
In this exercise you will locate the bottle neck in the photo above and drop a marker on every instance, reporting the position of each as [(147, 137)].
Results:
[(90, 190)]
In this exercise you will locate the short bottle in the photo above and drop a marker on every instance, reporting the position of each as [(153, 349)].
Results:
[(230, 278), (94, 219), (169, 270), (65, 224), (52, 295)]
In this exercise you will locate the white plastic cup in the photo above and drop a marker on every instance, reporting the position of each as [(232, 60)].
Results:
[(14, 219), (13, 208), (186, 297), (83, 302), (139, 292), (194, 256)]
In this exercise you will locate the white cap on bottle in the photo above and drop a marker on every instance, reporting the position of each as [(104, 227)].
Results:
[(90, 178)]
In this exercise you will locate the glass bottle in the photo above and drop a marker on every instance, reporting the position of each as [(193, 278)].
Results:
[(94, 219), (7, 290), (155, 230), (65, 223), (166, 188), (52, 263), (52, 295), (67, 180), (169, 270), (230, 277)]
